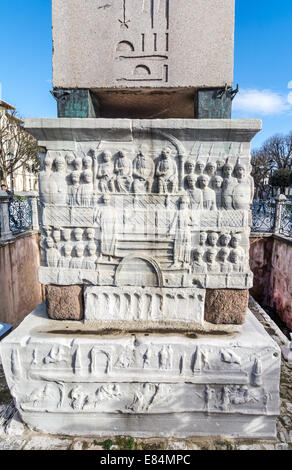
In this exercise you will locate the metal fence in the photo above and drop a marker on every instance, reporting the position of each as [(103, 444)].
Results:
[(263, 216), (20, 214), (286, 220), (273, 216)]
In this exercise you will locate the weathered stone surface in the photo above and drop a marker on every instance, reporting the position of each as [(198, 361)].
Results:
[(47, 443), (65, 302), (143, 385), (226, 306), (140, 44)]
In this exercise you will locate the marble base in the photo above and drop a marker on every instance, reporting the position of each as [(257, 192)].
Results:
[(68, 379)]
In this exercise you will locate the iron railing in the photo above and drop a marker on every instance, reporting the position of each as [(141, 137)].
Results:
[(20, 214)]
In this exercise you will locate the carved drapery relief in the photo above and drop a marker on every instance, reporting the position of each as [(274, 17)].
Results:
[(185, 209)]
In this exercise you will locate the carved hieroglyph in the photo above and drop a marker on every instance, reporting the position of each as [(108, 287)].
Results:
[(88, 384), (161, 204), (143, 43)]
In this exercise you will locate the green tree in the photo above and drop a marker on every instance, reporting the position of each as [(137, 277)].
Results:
[(275, 154), (18, 148)]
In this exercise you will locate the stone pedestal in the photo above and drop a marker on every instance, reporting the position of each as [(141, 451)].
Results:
[(67, 379)]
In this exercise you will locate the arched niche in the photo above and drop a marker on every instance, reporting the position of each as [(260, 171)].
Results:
[(136, 270)]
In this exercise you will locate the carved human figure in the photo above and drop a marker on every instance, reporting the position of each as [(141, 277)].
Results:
[(203, 238), (166, 172), (56, 235), (74, 189), (105, 173), (123, 170), (86, 189), (199, 266), (78, 398), (209, 196), (243, 191), (228, 185), (216, 184), (225, 239), (143, 173), (89, 261), (236, 260), (225, 265), (87, 162), (182, 242), (52, 254), (90, 234), (47, 184), (77, 163), (77, 261), (212, 265), (211, 169), (64, 261), (200, 167), (195, 194), (213, 238), (105, 219), (165, 358), (78, 234), (235, 240), (60, 180), (66, 234), (225, 398)]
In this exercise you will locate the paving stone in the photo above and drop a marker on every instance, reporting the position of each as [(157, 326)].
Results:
[(47, 443), (269, 447)]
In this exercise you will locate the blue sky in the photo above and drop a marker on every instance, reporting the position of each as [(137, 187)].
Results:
[(263, 61)]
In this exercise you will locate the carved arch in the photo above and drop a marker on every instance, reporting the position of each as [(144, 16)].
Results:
[(152, 262)]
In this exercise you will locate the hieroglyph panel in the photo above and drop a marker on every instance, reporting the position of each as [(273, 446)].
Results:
[(143, 43)]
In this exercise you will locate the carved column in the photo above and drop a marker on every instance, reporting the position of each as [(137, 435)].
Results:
[(5, 231), (34, 210), (280, 201)]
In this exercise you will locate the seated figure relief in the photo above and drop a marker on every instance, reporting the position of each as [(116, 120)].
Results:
[(166, 172), (143, 173), (123, 171)]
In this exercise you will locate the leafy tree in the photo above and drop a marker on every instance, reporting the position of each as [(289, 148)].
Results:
[(275, 154), (281, 178), (18, 148)]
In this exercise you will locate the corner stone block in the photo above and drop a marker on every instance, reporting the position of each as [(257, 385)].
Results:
[(65, 302), (226, 306)]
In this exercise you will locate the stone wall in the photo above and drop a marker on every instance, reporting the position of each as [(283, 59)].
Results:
[(20, 291), (271, 261)]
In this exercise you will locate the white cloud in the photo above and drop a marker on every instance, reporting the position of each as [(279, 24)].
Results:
[(262, 102), (290, 84), (290, 98)]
